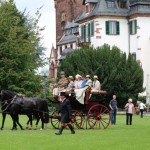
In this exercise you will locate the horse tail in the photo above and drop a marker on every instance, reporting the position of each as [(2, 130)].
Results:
[(46, 112)]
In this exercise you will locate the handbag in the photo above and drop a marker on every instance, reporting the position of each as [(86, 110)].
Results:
[(126, 109)]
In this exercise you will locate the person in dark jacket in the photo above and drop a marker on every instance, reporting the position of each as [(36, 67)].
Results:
[(65, 111)]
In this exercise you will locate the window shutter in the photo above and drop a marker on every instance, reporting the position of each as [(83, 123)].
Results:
[(117, 28), (89, 33), (130, 27), (135, 26), (107, 27), (82, 32), (92, 28)]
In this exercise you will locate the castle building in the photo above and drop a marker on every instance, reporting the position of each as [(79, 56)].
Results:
[(66, 11), (66, 31), (123, 23)]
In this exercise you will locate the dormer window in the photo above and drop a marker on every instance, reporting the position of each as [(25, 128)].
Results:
[(68, 31), (110, 4), (122, 4), (75, 30)]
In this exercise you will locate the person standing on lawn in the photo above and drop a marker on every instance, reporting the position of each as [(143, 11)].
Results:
[(142, 107), (113, 111), (65, 111), (129, 111)]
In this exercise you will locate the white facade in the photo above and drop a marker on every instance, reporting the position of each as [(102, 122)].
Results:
[(141, 44), (138, 43)]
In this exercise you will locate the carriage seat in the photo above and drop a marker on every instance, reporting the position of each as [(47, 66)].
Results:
[(99, 92), (94, 95)]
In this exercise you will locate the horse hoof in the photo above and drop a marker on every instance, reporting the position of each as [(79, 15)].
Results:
[(1, 128), (22, 128), (41, 129), (14, 129)]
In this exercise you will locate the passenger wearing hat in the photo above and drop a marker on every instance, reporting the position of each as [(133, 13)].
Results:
[(65, 111), (71, 84), (89, 81), (96, 84), (86, 82), (78, 82), (61, 85)]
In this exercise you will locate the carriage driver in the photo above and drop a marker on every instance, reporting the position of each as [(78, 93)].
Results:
[(65, 111), (61, 85)]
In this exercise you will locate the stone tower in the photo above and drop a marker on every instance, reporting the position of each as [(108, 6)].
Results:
[(66, 10)]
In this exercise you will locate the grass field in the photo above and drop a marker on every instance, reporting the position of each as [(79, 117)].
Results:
[(118, 137)]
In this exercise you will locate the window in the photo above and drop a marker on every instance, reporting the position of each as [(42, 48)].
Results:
[(65, 46), (87, 31), (110, 4), (71, 46), (63, 17), (83, 32), (92, 28), (134, 56), (75, 30), (68, 31), (87, 8), (60, 51), (133, 27), (123, 4), (112, 28)]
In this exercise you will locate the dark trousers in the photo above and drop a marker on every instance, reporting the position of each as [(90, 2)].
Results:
[(141, 110), (128, 119), (113, 116)]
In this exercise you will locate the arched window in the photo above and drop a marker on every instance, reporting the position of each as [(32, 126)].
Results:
[(52, 70)]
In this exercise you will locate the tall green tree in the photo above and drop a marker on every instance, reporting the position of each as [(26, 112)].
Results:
[(119, 74), (21, 52)]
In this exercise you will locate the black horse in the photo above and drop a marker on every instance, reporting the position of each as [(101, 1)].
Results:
[(15, 105), (5, 110)]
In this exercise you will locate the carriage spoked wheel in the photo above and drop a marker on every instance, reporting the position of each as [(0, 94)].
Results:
[(98, 117), (76, 119), (55, 120)]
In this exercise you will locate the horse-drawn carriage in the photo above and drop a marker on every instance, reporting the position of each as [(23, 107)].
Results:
[(89, 116), (86, 116)]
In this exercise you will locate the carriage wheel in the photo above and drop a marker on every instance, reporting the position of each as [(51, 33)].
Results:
[(55, 120), (77, 119), (98, 117)]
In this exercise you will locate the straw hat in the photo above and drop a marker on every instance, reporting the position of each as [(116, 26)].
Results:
[(95, 77), (62, 73), (87, 76), (70, 77), (78, 76)]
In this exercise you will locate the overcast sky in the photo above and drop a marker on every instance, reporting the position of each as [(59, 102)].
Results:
[(47, 19)]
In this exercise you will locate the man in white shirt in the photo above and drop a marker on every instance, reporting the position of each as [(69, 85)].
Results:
[(96, 84), (142, 107)]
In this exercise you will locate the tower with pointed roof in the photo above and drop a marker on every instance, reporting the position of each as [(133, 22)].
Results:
[(66, 10)]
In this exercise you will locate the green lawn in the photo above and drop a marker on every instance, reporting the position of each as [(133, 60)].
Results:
[(118, 137)]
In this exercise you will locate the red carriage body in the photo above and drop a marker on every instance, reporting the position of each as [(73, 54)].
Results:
[(91, 115)]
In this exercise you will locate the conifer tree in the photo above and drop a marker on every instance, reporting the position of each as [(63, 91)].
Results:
[(119, 74), (20, 50)]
